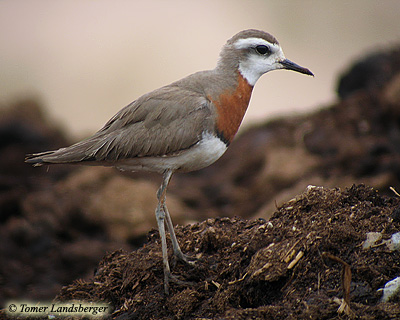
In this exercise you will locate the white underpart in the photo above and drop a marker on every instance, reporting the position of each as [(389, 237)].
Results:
[(208, 150), (256, 64)]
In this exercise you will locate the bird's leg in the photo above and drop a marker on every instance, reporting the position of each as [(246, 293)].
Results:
[(160, 216), (161, 213), (175, 245)]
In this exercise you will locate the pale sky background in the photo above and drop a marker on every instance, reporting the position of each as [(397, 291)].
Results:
[(84, 60)]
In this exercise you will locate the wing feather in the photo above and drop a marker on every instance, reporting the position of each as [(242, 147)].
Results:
[(163, 122)]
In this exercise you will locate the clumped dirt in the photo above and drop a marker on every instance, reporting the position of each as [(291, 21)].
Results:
[(289, 256), (248, 268)]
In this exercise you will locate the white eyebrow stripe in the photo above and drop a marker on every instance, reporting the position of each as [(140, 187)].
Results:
[(253, 42)]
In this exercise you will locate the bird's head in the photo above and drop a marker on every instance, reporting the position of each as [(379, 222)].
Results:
[(254, 53)]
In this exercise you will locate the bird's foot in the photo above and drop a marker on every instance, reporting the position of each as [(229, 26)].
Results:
[(177, 280), (169, 277), (186, 258)]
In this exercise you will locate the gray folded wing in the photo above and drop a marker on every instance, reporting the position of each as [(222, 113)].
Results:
[(163, 122)]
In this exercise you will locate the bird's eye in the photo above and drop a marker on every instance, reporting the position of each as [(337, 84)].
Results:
[(261, 49)]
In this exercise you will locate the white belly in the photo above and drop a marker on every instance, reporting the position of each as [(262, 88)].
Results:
[(208, 150)]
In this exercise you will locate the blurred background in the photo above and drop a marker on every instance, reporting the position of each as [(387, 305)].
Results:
[(80, 62), (85, 60)]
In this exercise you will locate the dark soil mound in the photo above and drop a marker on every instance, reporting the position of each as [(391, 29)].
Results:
[(286, 268)]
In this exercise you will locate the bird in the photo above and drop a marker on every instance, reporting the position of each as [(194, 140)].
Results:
[(181, 127)]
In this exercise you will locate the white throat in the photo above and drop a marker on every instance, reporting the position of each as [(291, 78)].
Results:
[(249, 74)]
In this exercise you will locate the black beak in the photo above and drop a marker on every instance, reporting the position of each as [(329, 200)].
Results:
[(289, 65)]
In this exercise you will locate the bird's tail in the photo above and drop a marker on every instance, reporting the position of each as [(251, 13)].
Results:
[(37, 159), (73, 154)]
